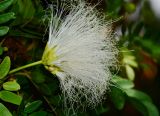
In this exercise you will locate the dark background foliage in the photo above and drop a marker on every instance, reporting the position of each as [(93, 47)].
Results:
[(134, 90)]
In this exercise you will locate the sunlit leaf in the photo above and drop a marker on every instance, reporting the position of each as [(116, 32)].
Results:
[(4, 30), (10, 97), (130, 72), (6, 17), (5, 67), (127, 60), (11, 86), (138, 95), (5, 4), (4, 111), (123, 83)]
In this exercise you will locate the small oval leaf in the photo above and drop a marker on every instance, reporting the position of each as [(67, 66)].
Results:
[(6, 17), (123, 83), (137, 95), (5, 67), (10, 97), (130, 62), (11, 86), (33, 106), (4, 111), (5, 4), (4, 30), (130, 72)]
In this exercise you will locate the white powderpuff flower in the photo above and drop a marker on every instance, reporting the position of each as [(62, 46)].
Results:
[(80, 51), (155, 5)]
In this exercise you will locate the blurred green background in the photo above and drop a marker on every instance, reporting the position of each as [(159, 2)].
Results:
[(135, 86)]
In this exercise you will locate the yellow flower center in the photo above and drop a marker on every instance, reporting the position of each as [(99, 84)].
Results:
[(48, 58)]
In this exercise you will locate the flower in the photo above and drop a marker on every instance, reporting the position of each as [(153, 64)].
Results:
[(80, 51)]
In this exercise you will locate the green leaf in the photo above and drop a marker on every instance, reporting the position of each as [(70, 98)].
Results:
[(142, 102), (129, 57), (33, 106), (4, 30), (11, 86), (5, 67), (138, 95), (6, 17), (117, 97), (5, 4), (130, 61), (151, 108), (130, 72), (10, 97), (123, 83), (147, 108), (139, 106), (39, 113), (4, 111)]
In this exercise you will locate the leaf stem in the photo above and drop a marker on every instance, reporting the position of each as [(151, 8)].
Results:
[(25, 66)]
